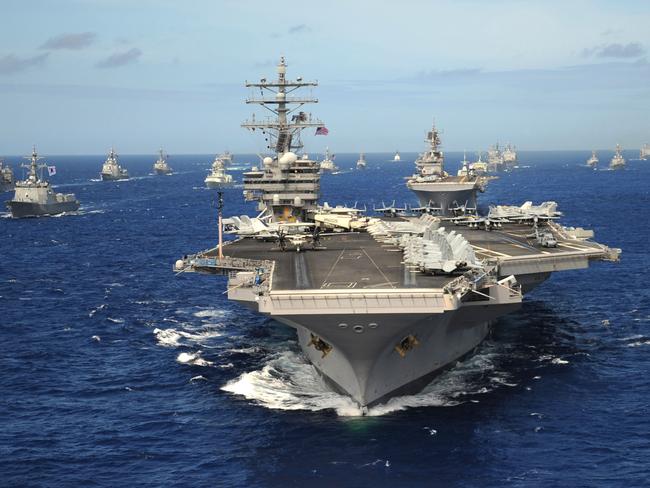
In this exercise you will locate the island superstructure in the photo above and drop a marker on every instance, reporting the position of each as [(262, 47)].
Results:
[(592, 162), (435, 188), (111, 169), (161, 167), (6, 177), (380, 305), (34, 197), (618, 161)]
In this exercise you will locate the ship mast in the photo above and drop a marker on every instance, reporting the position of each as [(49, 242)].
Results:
[(284, 133), (33, 166)]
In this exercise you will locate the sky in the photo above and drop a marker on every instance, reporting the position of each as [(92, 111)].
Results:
[(78, 76)]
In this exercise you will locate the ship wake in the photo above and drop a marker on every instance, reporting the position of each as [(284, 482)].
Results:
[(288, 382)]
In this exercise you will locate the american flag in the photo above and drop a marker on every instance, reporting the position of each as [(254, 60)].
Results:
[(51, 170), (322, 131)]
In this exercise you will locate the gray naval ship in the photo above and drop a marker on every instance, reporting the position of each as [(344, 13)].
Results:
[(111, 169), (34, 197), (6, 177), (161, 167), (380, 305), (438, 191)]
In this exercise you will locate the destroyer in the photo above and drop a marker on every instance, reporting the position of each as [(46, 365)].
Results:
[(438, 190), (111, 169), (361, 163), (34, 197), (327, 164), (160, 167), (645, 152), (495, 159), (6, 177), (592, 162), (379, 305), (618, 161), (218, 178)]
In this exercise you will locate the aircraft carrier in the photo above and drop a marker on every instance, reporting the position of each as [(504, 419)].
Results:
[(438, 191), (380, 304)]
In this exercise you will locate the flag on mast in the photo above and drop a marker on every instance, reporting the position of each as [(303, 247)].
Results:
[(322, 131), (51, 170)]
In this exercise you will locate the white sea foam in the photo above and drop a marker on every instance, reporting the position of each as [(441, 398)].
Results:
[(198, 378), (173, 337), (288, 382), (194, 359), (639, 343), (115, 321), (559, 361), (210, 313)]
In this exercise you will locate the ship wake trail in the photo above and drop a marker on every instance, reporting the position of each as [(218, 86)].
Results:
[(288, 382)]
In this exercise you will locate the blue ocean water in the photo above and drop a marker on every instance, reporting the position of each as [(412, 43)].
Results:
[(116, 372)]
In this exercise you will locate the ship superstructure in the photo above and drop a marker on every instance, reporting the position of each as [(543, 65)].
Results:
[(361, 162), (111, 169), (288, 183), (645, 152), (592, 162), (479, 166), (509, 157), (218, 178), (161, 167), (6, 177), (380, 305), (397, 158), (618, 161), (327, 164), (34, 197), (438, 190), (495, 159)]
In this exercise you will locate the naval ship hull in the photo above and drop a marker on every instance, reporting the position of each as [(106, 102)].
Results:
[(445, 195), (30, 209), (364, 363), (5, 187), (109, 177), (218, 184)]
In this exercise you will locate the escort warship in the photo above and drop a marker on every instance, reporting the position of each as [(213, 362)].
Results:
[(111, 169), (592, 162), (645, 152), (380, 305), (618, 161), (34, 197), (218, 178), (361, 162), (327, 164), (438, 191), (495, 159), (161, 167), (6, 177)]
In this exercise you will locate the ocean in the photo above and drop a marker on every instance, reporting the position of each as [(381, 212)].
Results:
[(116, 372)]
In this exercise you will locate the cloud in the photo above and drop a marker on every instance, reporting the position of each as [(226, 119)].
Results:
[(120, 59), (12, 64), (615, 50), (448, 74), (297, 29), (73, 41)]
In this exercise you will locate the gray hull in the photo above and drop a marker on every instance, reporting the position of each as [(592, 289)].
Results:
[(106, 177), (364, 362), (162, 172), (447, 199), (28, 209)]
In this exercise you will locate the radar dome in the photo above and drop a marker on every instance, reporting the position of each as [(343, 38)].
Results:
[(288, 158), (267, 160), (280, 96)]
